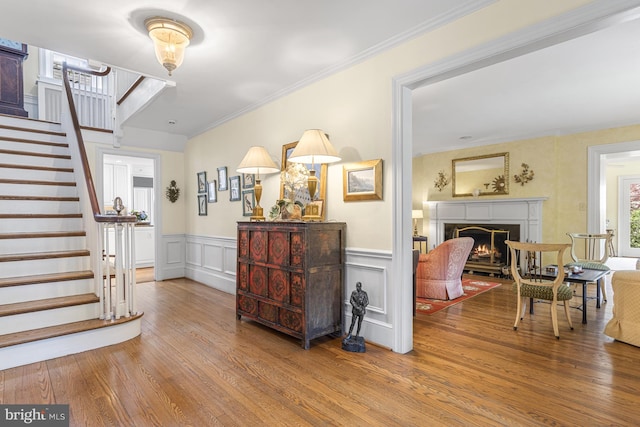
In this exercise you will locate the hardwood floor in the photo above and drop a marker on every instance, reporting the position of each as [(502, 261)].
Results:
[(195, 364)]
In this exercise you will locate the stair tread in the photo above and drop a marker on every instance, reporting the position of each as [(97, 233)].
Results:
[(33, 130), (35, 167), (34, 182), (47, 304), (33, 141), (30, 235), (35, 154), (61, 330), (39, 216), (44, 255), (45, 278), (42, 198)]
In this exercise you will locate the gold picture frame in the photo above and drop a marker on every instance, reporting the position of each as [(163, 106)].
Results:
[(362, 181), (321, 174)]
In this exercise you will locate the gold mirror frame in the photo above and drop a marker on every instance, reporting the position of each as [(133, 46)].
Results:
[(480, 175)]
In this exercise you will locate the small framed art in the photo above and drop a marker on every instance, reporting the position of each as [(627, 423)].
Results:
[(223, 185), (248, 202), (202, 182), (234, 185), (362, 180), (212, 194), (202, 204), (248, 180)]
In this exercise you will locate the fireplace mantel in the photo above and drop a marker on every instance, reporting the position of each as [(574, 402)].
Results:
[(525, 212)]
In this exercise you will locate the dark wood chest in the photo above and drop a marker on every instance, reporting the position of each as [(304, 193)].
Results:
[(290, 276), (11, 80)]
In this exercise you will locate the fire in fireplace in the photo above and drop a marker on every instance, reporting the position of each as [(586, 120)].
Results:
[(490, 253)]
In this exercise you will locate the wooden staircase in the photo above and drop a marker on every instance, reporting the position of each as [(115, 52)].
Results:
[(48, 301)]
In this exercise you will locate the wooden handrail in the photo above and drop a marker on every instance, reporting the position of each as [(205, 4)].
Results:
[(93, 198)]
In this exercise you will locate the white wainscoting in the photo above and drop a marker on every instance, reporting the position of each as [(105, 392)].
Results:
[(372, 269), (211, 261)]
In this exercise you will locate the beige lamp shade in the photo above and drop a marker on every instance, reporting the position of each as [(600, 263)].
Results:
[(258, 161), (314, 147), (170, 39), (416, 214)]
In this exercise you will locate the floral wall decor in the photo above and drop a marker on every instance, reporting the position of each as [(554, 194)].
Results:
[(442, 181), (525, 176), (173, 192)]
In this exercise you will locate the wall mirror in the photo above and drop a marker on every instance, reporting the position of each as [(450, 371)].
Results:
[(481, 175)]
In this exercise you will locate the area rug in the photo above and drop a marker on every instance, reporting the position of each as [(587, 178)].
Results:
[(471, 288)]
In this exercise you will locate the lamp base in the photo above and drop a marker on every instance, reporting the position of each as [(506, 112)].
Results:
[(311, 213), (258, 214)]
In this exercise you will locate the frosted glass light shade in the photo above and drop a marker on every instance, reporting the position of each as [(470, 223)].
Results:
[(314, 147), (170, 39)]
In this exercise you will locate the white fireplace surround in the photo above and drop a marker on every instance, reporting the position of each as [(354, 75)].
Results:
[(525, 212)]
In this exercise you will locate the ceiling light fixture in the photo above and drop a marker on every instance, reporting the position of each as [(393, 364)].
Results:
[(170, 39)]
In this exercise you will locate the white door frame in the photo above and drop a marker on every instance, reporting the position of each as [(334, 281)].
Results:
[(587, 19)]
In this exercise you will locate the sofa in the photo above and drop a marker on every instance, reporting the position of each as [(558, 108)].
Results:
[(625, 324), (439, 272)]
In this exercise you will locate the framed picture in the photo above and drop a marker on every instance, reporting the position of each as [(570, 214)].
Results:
[(212, 194), (321, 174), (248, 202), (202, 182), (362, 181), (234, 185), (248, 180), (223, 185), (202, 204)]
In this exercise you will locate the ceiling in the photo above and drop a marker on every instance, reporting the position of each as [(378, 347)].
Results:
[(591, 82), (245, 53)]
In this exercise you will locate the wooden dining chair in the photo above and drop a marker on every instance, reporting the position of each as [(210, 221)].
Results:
[(529, 283), (591, 251)]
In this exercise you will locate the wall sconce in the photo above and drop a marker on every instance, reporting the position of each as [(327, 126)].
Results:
[(442, 181), (416, 214), (170, 39), (525, 176), (257, 161), (313, 147)]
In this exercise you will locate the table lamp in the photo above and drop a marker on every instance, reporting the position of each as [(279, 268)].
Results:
[(416, 214), (313, 147), (257, 161)]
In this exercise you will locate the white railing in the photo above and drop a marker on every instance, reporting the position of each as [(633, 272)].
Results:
[(116, 291)]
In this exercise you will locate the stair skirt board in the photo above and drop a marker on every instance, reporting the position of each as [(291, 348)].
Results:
[(23, 293), (37, 351), (47, 318)]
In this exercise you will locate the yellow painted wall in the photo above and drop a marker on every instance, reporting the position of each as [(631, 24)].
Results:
[(355, 108), (560, 166)]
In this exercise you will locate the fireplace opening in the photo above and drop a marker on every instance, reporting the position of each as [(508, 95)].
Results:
[(490, 253)]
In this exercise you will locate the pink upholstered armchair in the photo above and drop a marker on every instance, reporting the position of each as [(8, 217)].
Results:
[(439, 274)]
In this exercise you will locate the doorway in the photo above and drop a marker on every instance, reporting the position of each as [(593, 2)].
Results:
[(629, 216), (133, 176)]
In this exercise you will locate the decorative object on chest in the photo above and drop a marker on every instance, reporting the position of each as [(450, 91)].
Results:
[(290, 277)]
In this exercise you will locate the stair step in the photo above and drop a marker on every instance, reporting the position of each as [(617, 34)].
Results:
[(33, 141), (45, 278), (39, 216), (41, 198), (46, 244), (36, 167), (41, 235), (61, 330), (47, 304), (34, 154), (34, 182), (43, 255), (34, 130)]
